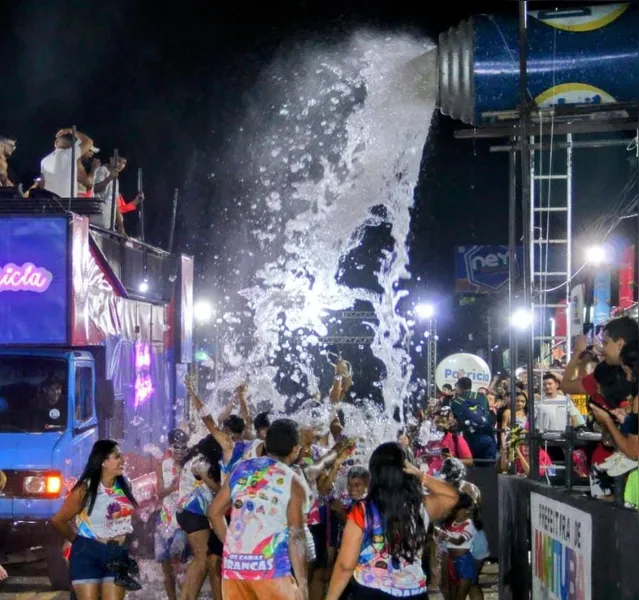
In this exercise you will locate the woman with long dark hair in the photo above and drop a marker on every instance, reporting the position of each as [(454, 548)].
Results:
[(100, 506), (623, 427), (204, 462), (385, 534)]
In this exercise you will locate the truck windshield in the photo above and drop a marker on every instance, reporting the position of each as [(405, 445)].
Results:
[(33, 394)]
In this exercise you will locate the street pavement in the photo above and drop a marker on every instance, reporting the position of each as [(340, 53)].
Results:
[(29, 582)]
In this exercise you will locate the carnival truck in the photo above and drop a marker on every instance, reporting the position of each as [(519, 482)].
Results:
[(95, 340)]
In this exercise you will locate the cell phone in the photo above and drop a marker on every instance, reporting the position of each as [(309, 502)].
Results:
[(612, 415)]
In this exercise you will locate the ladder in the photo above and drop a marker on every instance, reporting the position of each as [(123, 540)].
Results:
[(550, 252)]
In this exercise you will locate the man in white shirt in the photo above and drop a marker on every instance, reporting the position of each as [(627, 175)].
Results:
[(555, 411), (56, 167), (104, 178)]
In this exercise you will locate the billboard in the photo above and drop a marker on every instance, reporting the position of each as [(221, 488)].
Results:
[(34, 280), (561, 550), (482, 269)]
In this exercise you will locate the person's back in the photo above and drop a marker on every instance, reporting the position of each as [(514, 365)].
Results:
[(256, 544), (56, 167), (472, 412), (376, 568)]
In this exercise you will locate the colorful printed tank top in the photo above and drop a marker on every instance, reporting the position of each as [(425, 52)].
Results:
[(375, 568), (238, 452), (256, 544), (110, 517), (170, 503), (196, 495)]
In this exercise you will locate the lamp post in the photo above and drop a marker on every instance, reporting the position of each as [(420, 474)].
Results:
[(203, 313), (426, 312)]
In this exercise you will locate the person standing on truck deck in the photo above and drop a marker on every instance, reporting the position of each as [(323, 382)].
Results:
[(56, 167), (8, 177), (170, 541), (101, 507)]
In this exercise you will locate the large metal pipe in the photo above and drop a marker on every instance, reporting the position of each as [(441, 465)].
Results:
[(577, 55)]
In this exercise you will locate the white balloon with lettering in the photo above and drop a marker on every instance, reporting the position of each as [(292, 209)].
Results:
[(460, 365)]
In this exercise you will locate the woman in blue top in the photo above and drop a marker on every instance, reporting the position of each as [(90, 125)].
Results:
[(204, 460)]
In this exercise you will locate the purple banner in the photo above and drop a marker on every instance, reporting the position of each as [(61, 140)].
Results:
[(34, 280)]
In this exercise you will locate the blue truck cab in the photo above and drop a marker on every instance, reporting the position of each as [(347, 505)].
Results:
[(84, 355)]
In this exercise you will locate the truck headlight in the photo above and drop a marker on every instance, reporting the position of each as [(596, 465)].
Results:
[(46, 484)]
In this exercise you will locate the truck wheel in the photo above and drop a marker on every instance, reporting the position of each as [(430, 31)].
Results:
[(58, 569)]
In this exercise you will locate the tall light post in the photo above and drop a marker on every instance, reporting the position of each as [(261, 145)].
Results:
[(426, 312), (203, 313)]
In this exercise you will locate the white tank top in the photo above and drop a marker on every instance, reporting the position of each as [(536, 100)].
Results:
[(110, 517), (252, 448)]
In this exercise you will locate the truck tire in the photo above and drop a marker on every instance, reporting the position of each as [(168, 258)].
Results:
[(58, 569)]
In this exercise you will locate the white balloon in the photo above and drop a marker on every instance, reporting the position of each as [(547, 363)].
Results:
[(459, 365)]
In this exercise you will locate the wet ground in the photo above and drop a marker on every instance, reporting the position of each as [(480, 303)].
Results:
[(29, 582)]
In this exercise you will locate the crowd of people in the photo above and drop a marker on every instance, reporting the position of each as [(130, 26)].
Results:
[(74, 170), (268, 506)]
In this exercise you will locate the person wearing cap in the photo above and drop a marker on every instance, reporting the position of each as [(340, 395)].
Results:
[(172, 481), (56, 168), (107, 176), (86, 172)]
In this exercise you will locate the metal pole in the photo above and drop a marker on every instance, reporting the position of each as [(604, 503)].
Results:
[(524, 114), (512, 274), (141, 209), (74, 166), (176, 195), (114, 199)]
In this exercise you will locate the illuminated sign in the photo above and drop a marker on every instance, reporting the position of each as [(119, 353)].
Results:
[(27, 278), (143, 382), (34, 280)]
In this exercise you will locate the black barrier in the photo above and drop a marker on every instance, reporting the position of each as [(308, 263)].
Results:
[(612, 539), (485, 478)]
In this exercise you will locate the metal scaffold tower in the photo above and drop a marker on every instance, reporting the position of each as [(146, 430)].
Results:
[(431, 358), (550, 248)]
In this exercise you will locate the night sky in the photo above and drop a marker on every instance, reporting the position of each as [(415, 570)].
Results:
[(167, 84)]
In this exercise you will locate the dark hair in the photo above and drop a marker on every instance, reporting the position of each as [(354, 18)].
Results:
[(464, 384), (211, 451), (262, 421), (235, 424), (359, 473), (399, 499), (92, 474), (447, 386), (624, 328), (67, 137), (612, 382), (177, 436), (282, 436), (551, 376)]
